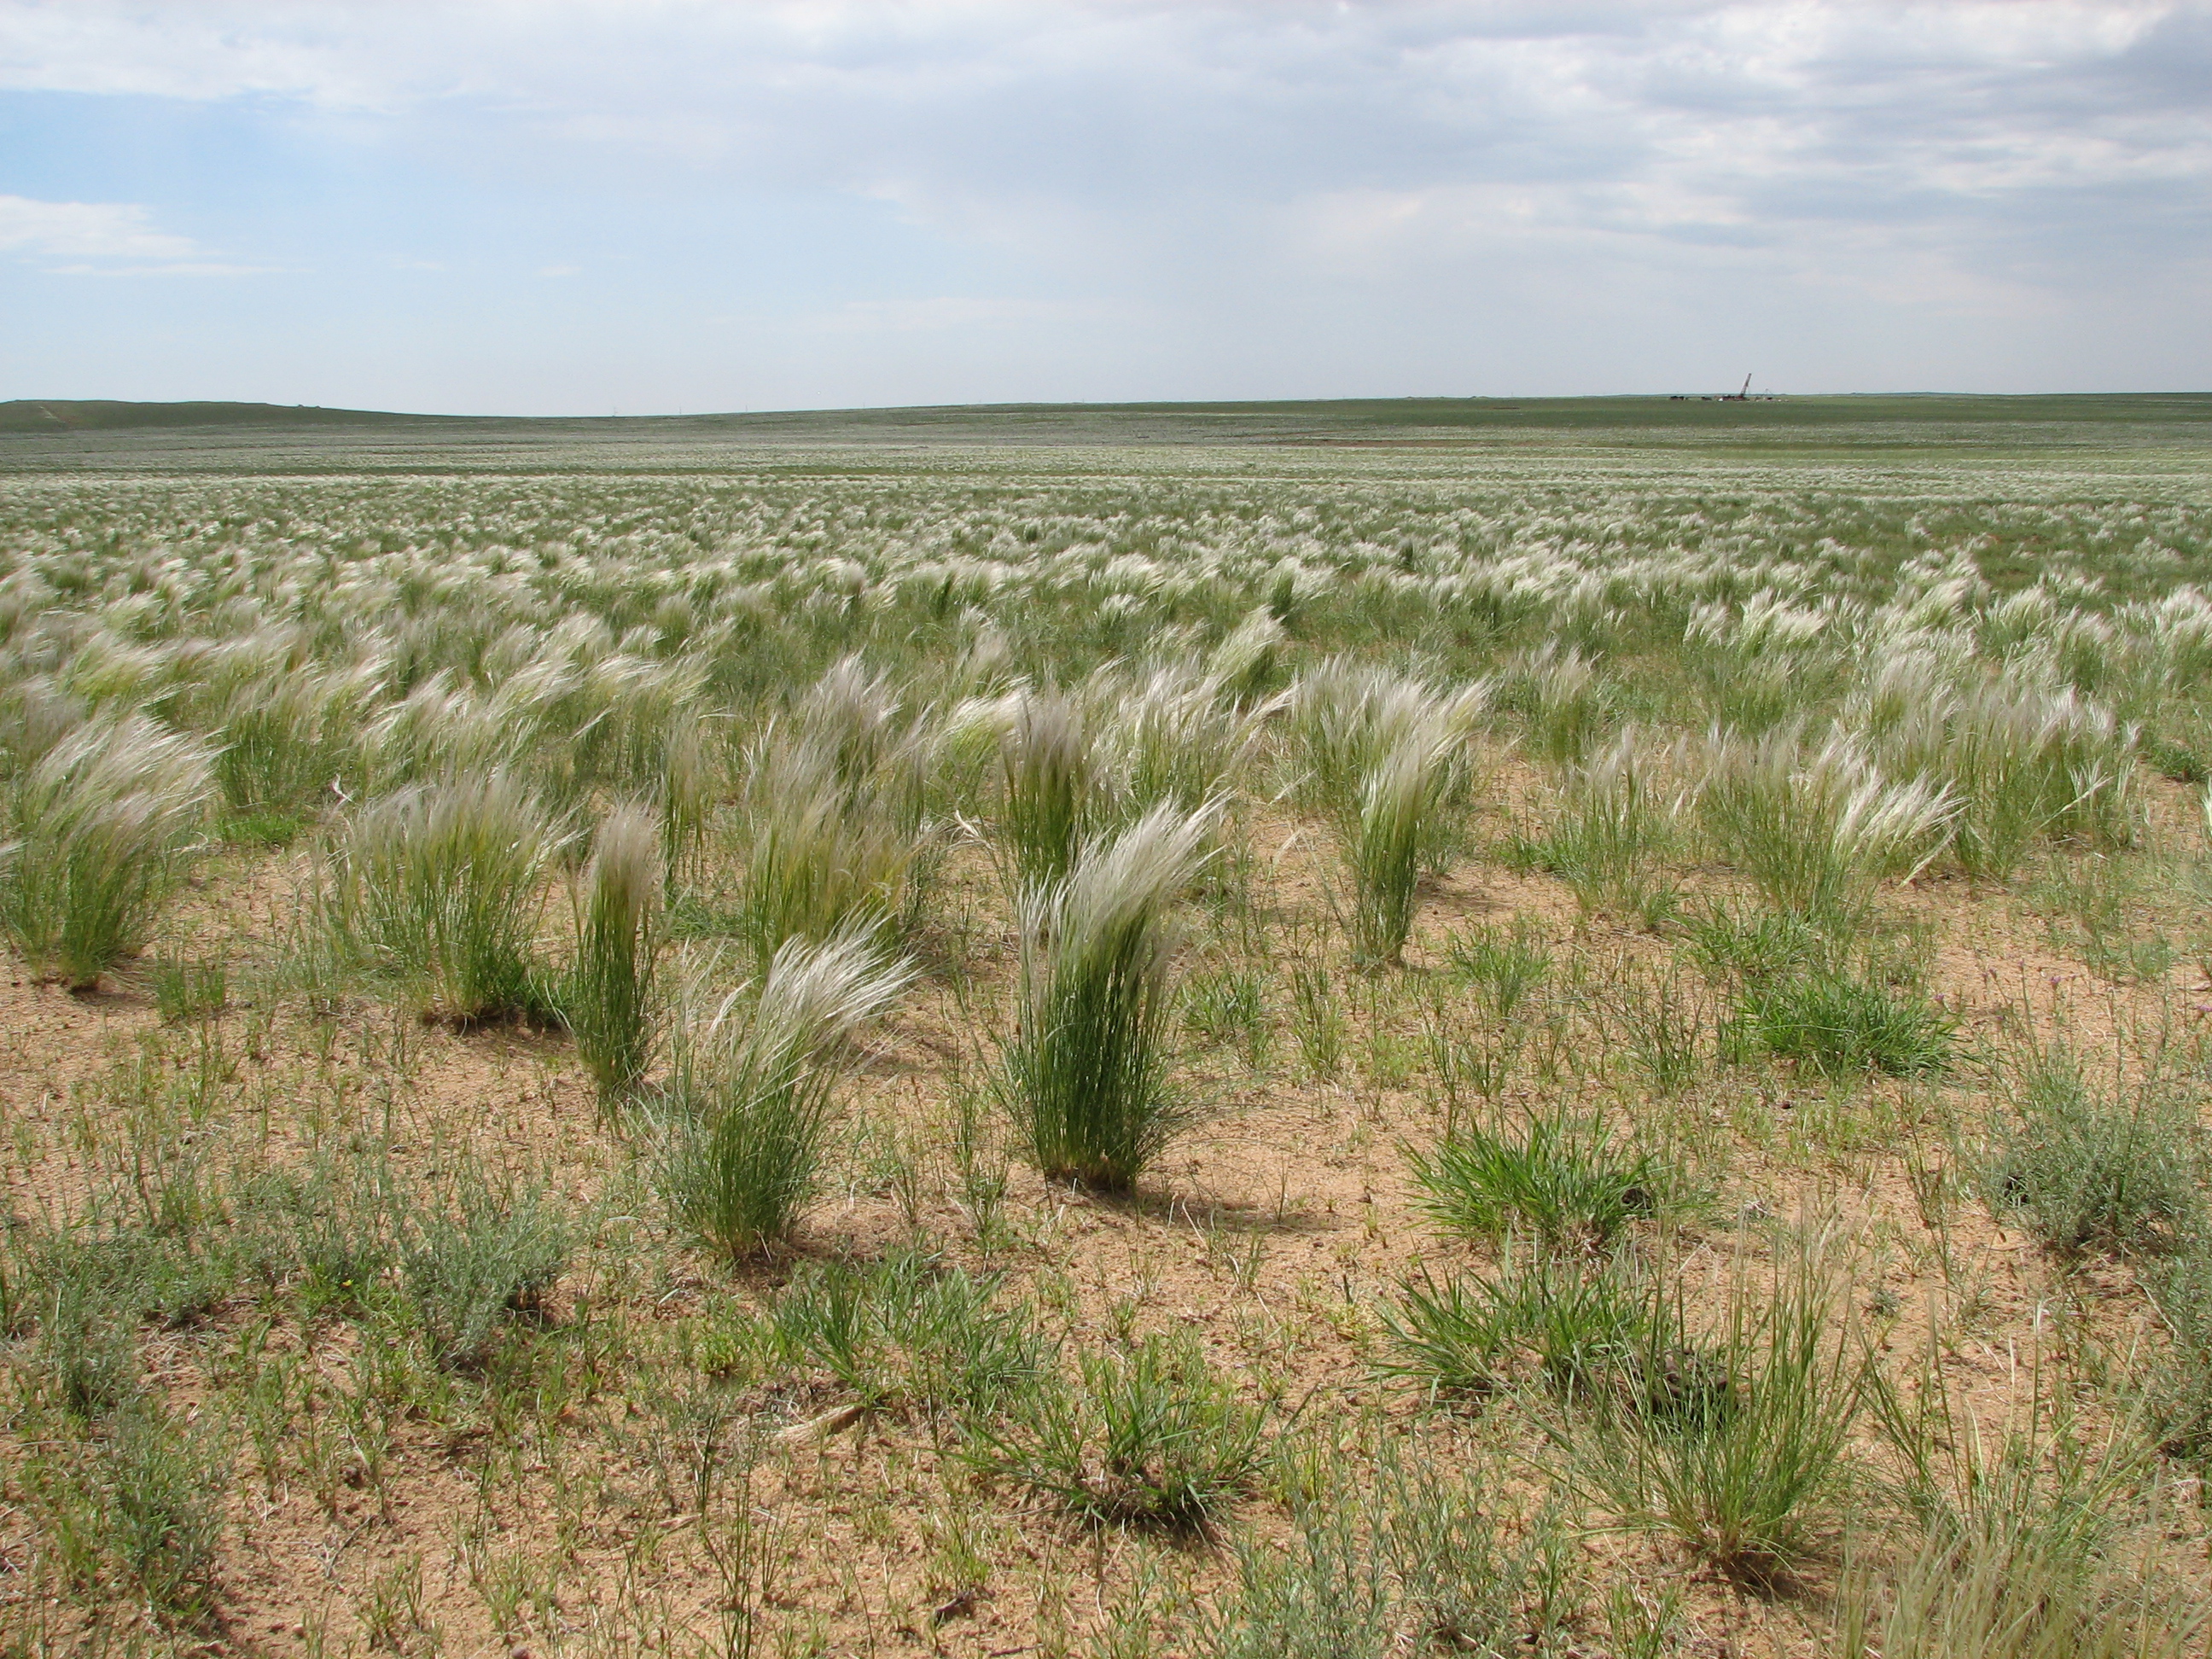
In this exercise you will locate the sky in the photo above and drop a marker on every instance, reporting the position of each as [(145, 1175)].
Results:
[(585, 207)]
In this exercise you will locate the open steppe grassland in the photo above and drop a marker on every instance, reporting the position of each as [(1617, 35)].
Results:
[(1220, 1052)]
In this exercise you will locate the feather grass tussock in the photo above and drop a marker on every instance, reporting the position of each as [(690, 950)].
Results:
[(825, 855), (441, 886), (607, 998), (2023, 760), (754, 1086), (1086, 1075), (98, 831), (1053, 788), (1389, 761), (1816, 829), (1615, 827)]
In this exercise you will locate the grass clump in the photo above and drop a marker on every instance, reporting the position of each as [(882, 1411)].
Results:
[(184, 990), (439, 885), (1840, 1025), (2022, 758), (1558, 1317), (607, 998), (1148, 1434), (1054, 795), (1085, 1076), (750, 1103), (1506, 966), (2031, 1557), (1557, 1175), (2088, 1171), (1387, 761), (910, 1333), (1408, 1557), (135, 1516), (96, 836), (1815, 831), (1613, 830), (826, 854), (2180, 1288), (1733, 1443)]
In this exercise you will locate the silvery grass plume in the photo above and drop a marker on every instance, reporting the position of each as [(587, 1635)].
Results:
[(1053, 791), (1816, 831), (290, 740), (752, 1099), (2024, 757), (1173, 735), (1407, 789), (35, 714), (1246, 662), (823, 857), (441, 886), (1617, 823), (440, 730), (1564, 700), (1387, 759), (99, 830), (684, 800), (851, 716), (607, 998), (1086, 1074), (1344, 719)]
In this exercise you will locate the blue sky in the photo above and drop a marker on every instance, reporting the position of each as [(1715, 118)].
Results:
[(578, 206)]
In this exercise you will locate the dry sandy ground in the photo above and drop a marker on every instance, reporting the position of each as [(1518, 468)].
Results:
[(562, 1522)]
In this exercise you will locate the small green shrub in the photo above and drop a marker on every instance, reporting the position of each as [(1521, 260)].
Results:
[(1663, 1025), (1839, 1024), (476, 1260), (1561, 1177), (2084, 1171), (91, 1287), (1149, 1434), (1317, 1020), (2090, 908)]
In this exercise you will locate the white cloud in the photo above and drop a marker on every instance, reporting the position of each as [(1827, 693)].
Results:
[(85, 230), (1208, 181)]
